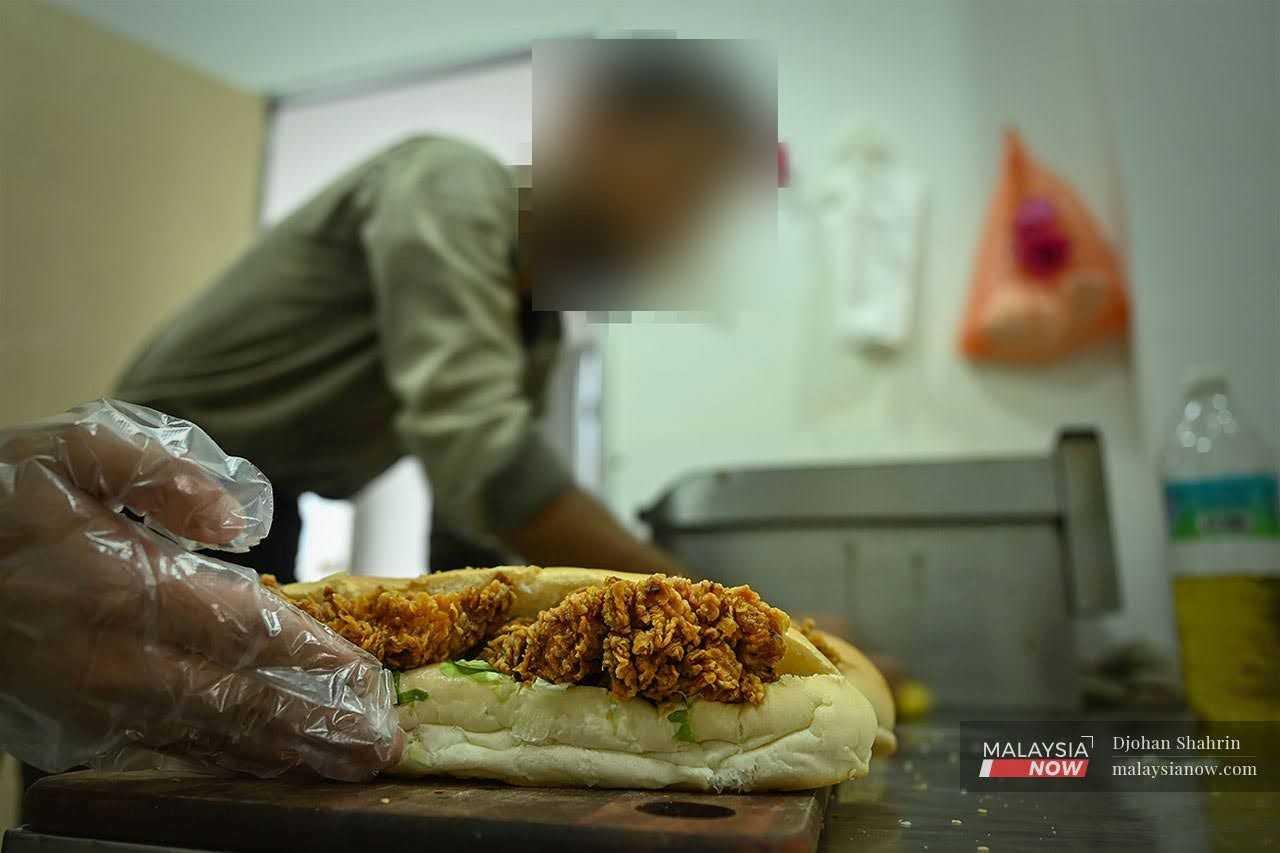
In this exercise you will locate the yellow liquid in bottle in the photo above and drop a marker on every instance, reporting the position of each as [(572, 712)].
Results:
[(1229, 627)]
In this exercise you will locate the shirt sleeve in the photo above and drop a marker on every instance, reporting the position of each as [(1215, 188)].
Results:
[(438, 240)]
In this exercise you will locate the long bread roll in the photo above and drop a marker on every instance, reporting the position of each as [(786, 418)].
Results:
[(859, 669), (813, 726)]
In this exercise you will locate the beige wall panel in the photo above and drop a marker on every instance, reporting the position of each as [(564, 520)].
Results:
[(127, 180)]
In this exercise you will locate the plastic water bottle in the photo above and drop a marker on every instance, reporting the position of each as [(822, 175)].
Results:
[(1223, 511)]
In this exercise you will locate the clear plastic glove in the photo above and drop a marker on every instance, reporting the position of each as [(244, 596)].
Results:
[(116, 639)]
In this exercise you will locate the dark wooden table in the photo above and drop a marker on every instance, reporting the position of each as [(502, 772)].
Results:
[(919, 801), (186, 811)]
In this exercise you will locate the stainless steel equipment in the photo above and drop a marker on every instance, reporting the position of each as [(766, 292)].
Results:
[(971, 573)]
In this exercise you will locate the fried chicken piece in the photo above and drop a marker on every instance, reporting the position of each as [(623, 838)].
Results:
[(563, 645), (662, 638), (818, 637), (409, 628), (672, 637)]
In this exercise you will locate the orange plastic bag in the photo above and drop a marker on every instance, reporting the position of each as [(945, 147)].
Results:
[(1046, 282)]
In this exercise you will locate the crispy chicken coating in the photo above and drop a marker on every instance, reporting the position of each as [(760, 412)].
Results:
[(818, 637), (410, 628), (563, 645), (662, 638)]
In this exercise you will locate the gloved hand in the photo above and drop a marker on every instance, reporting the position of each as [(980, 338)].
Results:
[(118, 640)]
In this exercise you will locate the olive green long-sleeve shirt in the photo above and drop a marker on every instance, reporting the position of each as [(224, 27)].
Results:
[(379, 319)]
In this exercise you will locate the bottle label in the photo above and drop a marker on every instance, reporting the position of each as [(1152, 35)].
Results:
[(1222, 506)]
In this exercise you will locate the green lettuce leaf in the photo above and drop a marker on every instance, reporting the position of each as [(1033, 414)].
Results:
[(404, 696), (476, 670), (684, 731), (414, 695)]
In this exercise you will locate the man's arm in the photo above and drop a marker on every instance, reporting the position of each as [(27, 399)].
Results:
[(438, 243), (575, 529)]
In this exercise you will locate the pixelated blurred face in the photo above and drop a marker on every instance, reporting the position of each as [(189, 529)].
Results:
[(638, 146), (653, 177), (622, 186)]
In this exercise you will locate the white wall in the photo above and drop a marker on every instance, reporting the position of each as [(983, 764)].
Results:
[(1200, 139), (311, 142)]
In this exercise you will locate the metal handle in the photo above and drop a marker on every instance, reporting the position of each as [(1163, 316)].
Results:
[(1086, 519)]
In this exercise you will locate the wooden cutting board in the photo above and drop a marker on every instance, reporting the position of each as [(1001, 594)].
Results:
[(239, 814)]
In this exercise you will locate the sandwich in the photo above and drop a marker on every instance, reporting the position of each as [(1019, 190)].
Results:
[(582, 677)]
